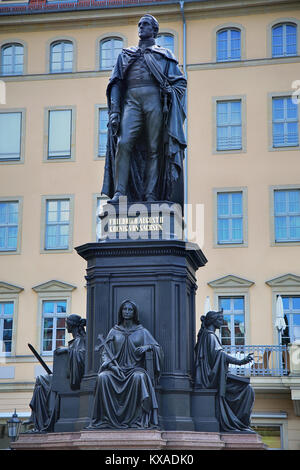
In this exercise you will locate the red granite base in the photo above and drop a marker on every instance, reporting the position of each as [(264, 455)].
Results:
[(138, 440)]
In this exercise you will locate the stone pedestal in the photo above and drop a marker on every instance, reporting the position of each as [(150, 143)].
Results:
[(159, 276), (138, 440)]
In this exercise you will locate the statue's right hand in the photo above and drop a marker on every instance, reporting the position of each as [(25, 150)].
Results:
[(114, 120)]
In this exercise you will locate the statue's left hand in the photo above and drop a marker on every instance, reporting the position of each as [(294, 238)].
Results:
[(143, 349)]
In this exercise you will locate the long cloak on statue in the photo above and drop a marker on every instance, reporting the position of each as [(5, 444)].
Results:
[(45, 401), (127, 402), (164, 67), (235, 397)]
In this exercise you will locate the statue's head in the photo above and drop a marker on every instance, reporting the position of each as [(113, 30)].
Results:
[(213, 318), (75, 321), (128, 309), (148, 27)]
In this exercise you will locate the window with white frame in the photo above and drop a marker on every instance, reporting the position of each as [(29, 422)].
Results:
[(284, 40), (9, 222), (10, 135), (102, 131), (109, 51), (287, 215), (230, 217), (59, 133), (229, 125), (6, 327), (166, 40), (57, 224), (232, 332), (228, 45), (291, 309), (54, 313), (61, 57), (12, 59), (285, 122)]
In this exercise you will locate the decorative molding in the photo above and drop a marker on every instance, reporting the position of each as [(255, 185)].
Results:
[(54, 286), (6, 288), (231, 282), (287, 280)]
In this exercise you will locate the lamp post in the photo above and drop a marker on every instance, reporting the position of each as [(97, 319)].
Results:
[(13, 427)]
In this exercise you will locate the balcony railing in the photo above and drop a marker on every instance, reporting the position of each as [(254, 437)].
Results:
[(42, 6), (269, 360)]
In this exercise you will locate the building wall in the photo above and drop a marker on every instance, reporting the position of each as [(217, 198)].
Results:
[(256, 168)]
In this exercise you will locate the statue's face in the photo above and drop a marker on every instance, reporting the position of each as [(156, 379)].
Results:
[(145, 27), (128, 311), (219, 321)]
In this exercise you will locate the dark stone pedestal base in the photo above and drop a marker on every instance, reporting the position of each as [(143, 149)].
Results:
[(138, 440)]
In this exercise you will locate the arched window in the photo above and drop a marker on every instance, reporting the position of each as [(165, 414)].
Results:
[(284, 40), (166, 40), (61, 57), (12, 59), (109, 51), (228, 45)]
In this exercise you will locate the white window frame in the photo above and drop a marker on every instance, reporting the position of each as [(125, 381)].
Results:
[(66, 158), (19, 200), (284, 44), (10, 293), (62, 42), (244, 191), (13, 161), (103, 41), (228, 29), (45, 199), (272, 190), (225, 99), (52, 291), (12, 44), (98, 109)]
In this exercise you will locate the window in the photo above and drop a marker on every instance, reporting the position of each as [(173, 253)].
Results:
[(109, 51), (228, 45), (10, 136), (270, 435), (232, 332), (166, 40), (12, 59), (54, 325), (102, 131), (284, 40), (6, 327), (59, 133), (9, 220), (230, 217), (229, 125), (61, 57), (291, 308), (57, 224), (287, 215), (285, 122)]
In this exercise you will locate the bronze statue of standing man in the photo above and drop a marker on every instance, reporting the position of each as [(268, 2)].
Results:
[(146, 142)]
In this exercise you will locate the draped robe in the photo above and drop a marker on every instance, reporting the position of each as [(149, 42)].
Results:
[(45, 402), (127, 402), (235, 397), (164, 67)]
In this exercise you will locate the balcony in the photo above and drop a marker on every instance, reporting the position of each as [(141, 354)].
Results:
[(269, 360)]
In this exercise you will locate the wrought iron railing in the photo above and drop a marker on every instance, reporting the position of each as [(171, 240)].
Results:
[(269, 360), (41, 6)]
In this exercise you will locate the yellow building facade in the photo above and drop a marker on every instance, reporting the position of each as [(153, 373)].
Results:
[(242, 169)]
